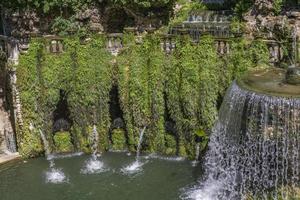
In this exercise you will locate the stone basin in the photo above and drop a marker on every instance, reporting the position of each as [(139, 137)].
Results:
[(270, 81)]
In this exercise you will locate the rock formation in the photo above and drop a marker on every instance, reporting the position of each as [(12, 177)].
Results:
[(261, 19)]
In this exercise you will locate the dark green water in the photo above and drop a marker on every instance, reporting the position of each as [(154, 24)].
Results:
[(158, 180)]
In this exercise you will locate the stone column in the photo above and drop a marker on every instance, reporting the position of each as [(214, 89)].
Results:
[(13, 51)]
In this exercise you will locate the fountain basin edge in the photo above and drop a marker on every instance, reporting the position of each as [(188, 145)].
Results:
[(269, 81)]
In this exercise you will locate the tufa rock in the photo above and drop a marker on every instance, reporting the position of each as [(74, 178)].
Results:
[(96, 27)]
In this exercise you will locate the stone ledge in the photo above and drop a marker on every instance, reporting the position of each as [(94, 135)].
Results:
[(4, 158)]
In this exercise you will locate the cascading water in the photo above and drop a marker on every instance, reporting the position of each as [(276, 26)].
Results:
[(94, 165), (53, 175), (197, 153), (137, 164), (254, 149)]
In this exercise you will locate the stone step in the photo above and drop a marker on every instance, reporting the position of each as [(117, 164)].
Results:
[(8, 157)]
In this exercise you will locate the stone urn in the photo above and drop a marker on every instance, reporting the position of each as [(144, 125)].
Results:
[(293, 74)]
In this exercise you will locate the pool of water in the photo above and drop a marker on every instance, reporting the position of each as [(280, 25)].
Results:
[(158, 178)]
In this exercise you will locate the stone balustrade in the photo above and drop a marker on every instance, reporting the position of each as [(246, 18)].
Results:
[(276, 52), (54, 44), (13, 47), (168, 43), (222, 46)]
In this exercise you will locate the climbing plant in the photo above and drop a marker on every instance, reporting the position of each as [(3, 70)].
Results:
[(141, 91), (192, 90), (86, 83), (28, 85), (184, 87)]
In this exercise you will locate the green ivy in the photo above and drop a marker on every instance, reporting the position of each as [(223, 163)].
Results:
[(141, 91), (85, 80), (188, 85)]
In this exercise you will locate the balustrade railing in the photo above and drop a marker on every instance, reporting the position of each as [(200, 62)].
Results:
[(13, 47), (54, 44)]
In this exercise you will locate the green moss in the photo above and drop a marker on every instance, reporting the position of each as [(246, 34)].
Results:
[(171, 146), (62, 142), (118, 139)]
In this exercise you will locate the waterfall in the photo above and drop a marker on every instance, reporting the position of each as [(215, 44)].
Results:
[(254, 149), (53, 175), (46, 143), (10, 141), (93, 165), (136, 166), (197, 152)]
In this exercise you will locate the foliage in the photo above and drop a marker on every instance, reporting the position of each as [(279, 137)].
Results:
[(277, 4), (47, 6), (141, 91), (85, 80), (28, 137), (245, 55), (185, 8), (188, 85), (284, 192), (141, 3), (62, 142), (171, 145), (192, 90), (204, 138), (63, 27), (118, 139), (241, 7)]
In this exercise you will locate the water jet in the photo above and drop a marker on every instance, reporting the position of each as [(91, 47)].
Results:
[(93, 164), (137, 164), (53, 175)]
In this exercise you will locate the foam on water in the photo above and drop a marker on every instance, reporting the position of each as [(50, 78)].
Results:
[(173, 158), (55, 176), (133, 168), (93, 166), (207, 191), (195, 163)]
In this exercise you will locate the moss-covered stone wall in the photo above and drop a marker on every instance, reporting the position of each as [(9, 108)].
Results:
[(174, 96)]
